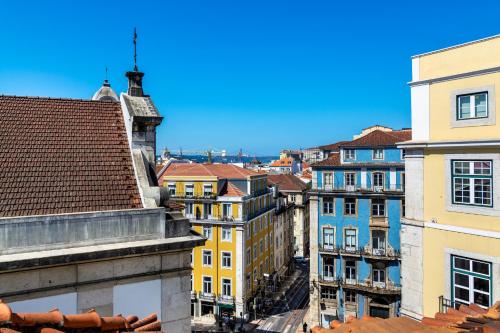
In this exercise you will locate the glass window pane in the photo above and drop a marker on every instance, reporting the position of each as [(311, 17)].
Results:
[(461, 280), (462, 293), (464, 107), (482, 299), (462, 263), (481, 267), (481, 105), (482, 284)]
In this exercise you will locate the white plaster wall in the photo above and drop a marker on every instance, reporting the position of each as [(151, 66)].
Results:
[(420, 112)]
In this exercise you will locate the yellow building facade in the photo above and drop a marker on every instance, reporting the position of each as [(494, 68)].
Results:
[(233, 209), (450, 237)]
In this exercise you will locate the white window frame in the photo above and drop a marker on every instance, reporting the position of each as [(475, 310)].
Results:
[(377, 280), (228, 213), (379, 247), (226, 256), (349, 154), (376, 156), (172, 189), (327, 180), (207, 230), (471, 275), (224, 287), (348, 240), (226, 234), (207, 254), (329, 273), (469, 179), (328, 240), (375, 175), (209, 283), (189, 209), (350, 272), (186, 186), (472, 106), (332, 203), (205, 192), (350, 206)]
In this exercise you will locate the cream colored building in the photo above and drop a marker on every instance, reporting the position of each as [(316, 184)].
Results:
[(450, 236)]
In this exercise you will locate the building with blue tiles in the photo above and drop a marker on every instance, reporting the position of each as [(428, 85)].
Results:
[(357, 201)]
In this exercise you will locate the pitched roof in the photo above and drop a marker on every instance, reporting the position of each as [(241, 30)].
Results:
[(332, 160), (231, 190), (333, 147), (287, 182), (63, 156), (471, 318), (380, 138), (223, 171), (55, 321), (284, 162)]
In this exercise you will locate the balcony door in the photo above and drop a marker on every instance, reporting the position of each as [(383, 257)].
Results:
[(378, 242), (328, 268)]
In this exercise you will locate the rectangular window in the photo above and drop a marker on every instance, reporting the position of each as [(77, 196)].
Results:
[(207, 258), (207, 284), (350, 181), (255, 253), (349, 154), (328, 205), (349, 206), (189, 190), (472, 183), (350, 296), (472, 106), (328, 293), (207, 232), (207, 190), (207, 210), (328, 268), (226, 259), (378, 242), (328, 180), (378, 207), (261, 245), (378, 181), (471, 281), (350, 240), (403, 208), (379, 277), (226, 210), (226, 287), (328, 238), (226, 234), (378, 154), (171, 189), (350, 271), (188, 209), (292, 198)]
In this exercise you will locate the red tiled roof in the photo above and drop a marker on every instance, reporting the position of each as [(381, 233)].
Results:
[(379, 138), (287, 182), (221, 171), (64, 156), (54, 321), (231, 190), (284, 162), (332, 160), (333, 147), (470, 318)]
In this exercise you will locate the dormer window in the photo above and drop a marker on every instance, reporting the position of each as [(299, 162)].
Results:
[(472, 106), (349, 154), (378, 154)]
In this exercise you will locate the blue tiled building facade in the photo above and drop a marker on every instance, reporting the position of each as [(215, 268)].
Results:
[(359, 201)]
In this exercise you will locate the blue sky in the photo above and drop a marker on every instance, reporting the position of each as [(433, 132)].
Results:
[(260, 75)]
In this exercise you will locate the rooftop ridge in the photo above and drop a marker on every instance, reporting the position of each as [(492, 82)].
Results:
[(456, 46), (58, 98)]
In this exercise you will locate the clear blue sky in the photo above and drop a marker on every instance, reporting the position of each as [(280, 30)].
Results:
[(257, 74)]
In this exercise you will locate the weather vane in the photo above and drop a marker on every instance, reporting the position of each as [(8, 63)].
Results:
[(135, 50)]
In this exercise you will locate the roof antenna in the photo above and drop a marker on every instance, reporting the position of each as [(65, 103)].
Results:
[(106, 82), (106, 77), (135, 50)]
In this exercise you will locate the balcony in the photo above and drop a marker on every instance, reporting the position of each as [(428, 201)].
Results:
[(328, 249), (350, 251), (225, 299), (193, 196), (381, 253), (370, 286), (210, 297), (357, 188), (253, 215), (211, 218), (329, 280)]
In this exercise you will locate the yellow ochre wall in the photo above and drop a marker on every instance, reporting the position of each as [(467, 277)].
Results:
[(436, 272), (472, 57), (440, 95), (216, 271)]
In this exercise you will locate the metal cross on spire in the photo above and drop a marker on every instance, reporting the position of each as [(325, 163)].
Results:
[(135, 50)]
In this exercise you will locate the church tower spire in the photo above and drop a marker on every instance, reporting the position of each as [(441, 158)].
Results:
[(135, 76)]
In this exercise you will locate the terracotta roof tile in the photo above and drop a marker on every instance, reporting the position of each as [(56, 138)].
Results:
[(231, 190), (284, 162), (380, 138), (333, 147), (221, 171), (287, 182), (63, 156), (470, 318), (332, 160), (55, 322)]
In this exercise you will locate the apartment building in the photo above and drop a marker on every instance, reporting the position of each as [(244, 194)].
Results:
[(233, 208), (356, 204), (450, 235)]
